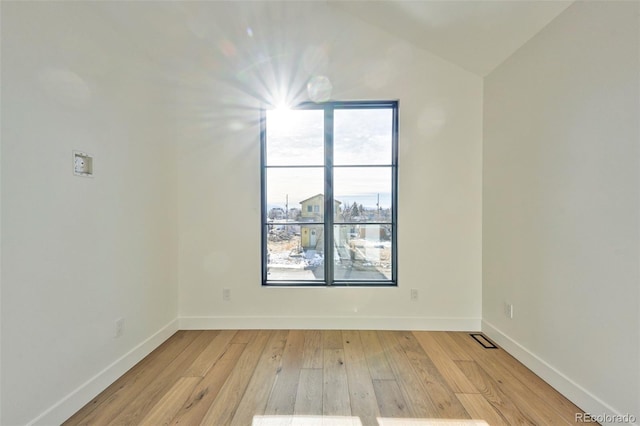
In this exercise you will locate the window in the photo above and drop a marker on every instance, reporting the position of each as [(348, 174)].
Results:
[(332, 169)]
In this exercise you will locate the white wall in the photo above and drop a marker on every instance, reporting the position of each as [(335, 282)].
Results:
[(561, 205), (560, 189), (219, 175), (77, 253)]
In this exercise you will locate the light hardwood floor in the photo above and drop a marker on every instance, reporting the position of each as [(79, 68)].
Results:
[(312, 377)]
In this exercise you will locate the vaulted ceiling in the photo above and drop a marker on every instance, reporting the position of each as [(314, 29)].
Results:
[(477, 35)]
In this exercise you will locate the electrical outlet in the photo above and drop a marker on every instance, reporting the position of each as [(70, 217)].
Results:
[(508, 310), (226, 294), (414, 294), (119, 328)]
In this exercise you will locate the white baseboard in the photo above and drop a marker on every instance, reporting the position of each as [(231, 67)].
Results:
[(563, 384), (330, 323), (77, 399)]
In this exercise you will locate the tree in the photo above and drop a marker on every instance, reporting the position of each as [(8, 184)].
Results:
[(276, 213), (354, 210)]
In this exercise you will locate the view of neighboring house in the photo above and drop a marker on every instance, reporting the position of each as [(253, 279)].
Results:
[(313, 211), (313, 208)]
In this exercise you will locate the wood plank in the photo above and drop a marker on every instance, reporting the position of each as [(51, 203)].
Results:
[(379, 367), (331, 339), (452, 375), (115, 397), (442, 397), (167, 407), (391, 403), (228, 399), (205, 393), (363, 397), (537, 385), (494, 394), (244, 336), (454, 351), (255, 397), (210, 354), (283, 395), (529, 402), (140, 396), (153, 392), (417, 400), (479, 408), (335, 389), (309, 394), (312, 353)]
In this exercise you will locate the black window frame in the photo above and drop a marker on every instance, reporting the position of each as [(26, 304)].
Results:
[(328, 219)]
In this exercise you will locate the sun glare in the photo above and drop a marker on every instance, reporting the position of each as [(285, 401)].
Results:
[(430, 422), (279, 117), (282, 107), (302, 420)]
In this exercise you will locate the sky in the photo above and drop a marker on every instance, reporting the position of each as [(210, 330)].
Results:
[(361, 137)]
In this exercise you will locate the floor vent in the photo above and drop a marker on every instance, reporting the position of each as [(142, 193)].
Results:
[(484, 342)]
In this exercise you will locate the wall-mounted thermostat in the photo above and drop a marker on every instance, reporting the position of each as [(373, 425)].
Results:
[(82, 164)]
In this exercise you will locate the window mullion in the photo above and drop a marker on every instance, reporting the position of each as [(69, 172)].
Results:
[(328, 199)]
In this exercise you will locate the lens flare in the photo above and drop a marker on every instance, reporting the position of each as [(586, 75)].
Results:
[(319, 88)]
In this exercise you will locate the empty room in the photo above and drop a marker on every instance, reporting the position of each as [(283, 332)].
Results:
[(320, 212)]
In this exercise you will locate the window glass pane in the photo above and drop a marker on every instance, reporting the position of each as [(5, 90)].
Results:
[(292, 253), (364, 194), (363, 252), (360, 139), (297, 192), (295, 137), (363, 136)]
